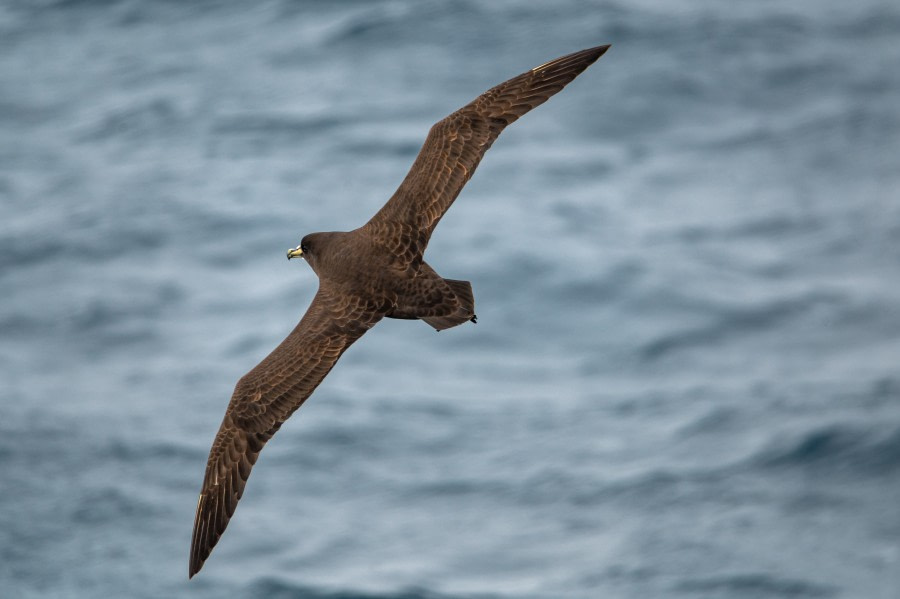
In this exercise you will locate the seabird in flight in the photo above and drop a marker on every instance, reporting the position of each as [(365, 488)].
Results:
[(367, 274)]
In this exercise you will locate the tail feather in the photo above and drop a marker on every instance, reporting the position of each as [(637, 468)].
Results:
[(465, 311), (463, 291)]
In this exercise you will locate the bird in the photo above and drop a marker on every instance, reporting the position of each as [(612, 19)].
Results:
[(375, 271)]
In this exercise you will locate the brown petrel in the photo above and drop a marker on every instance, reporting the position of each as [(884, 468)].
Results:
[(372, 272)]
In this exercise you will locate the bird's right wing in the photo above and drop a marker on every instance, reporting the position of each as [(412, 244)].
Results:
[(265, 397), (455, 146)]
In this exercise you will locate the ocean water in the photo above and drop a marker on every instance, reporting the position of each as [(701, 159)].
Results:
[(684, 378)]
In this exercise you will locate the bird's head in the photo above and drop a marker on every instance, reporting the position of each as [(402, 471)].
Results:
[(304, 250), (312, 248)]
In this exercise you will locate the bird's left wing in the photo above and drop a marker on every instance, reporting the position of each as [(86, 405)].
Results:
[(265, 397)]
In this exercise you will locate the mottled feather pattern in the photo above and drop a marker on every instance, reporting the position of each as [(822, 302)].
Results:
[(428, 294), (232, 456)]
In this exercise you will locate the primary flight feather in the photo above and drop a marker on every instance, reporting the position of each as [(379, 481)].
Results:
[(367, 274)]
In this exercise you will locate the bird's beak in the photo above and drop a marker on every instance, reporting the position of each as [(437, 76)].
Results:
[(295, 253)]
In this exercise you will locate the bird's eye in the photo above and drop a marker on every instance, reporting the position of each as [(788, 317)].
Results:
[(304, 247)]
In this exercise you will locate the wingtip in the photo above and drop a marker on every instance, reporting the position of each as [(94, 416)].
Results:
[(196, 560), (597, 51), (194, 564), (577, 60)]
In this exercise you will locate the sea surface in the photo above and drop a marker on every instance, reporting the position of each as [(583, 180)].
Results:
[(685, 377)]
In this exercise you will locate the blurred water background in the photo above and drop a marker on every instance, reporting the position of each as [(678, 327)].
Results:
[(684, 379)]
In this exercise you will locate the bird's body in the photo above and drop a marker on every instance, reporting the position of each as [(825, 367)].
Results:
[(367, 274)]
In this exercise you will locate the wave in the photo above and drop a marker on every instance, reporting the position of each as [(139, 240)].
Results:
[(275, 588), (738, 320), (140, 120), (756, 585), (268, 124), (836, 447)]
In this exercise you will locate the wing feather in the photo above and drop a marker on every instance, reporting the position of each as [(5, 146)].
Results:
[(454, 147), (264, 398)]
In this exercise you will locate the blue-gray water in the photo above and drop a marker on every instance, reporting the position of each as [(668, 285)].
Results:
[(684, 379)]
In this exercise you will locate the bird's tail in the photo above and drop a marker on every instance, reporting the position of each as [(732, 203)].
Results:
[(465, 311)]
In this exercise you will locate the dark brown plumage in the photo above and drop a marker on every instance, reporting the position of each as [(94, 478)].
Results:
[(367, 274)]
